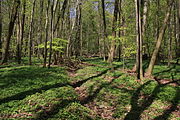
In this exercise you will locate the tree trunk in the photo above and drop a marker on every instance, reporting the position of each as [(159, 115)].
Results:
[(31, 32), (52, 31), (46, 34), (139, 41), (0, 29), (170, 43), (104, 30), (18, 28), (178, 29), (158, 43), (78, 29), (40, 28), (144, 20), (61, 15), (119, 34), (112, 48), (10, 30), (22, 31)]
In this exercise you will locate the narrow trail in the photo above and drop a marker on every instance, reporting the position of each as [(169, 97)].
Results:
[(82, 100)]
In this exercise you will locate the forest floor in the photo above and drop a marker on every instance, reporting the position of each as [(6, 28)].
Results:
[(91, 92)]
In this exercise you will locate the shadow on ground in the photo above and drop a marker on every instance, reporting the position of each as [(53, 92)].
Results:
[(137, 107)]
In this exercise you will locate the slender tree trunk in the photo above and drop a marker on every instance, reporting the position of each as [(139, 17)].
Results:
[(170, 44), (52, 32), (78, 29), (144, 20), (10, 30), (178, 29), (158, 43), (119, 34), (145, 12), (104, 30), (18, 28), (46, 34), (41, 27), (139, 41), (0, 29), (61, 15), (22, 31), (70, 42), (31, 33), (112, 48)]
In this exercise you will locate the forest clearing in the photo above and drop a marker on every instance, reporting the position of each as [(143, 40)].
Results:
[(89, 59)]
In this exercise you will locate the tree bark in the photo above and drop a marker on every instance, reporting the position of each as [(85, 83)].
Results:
[(78, 29), (170, 43), (18, 29), (144, 20), (0, 29), (46, 34), (139, 41), (61, 15), (31, 32), (10, 30), (119, 34), (158, 43), (52, 31), (112, 48), (104, 30), (178, 29)]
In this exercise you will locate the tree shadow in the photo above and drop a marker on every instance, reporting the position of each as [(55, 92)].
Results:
[(45, 115), (174, 106), (24, 94), (137, 107), (164, 71), (93, 94), (30, 77), (79, 83), (145, 66)]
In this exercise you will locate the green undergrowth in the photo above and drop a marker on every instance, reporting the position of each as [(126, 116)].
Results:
[(22, 80), (165, 72), (32, 92), (87, 72), (75, 111), (96, 61), (39, 104), (125, 91)]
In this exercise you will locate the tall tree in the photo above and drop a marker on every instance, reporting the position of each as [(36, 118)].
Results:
[(53, 4), (10, 30), (77, 47), (69, 45), (139, 40), (31, 32), (0, 28), (159, 40), (170, 42), (61, 15), (144, 21), (22, 30), (178, 28), (119, 32), (114, 25), (18, 35), (104, 29), (46, 33)]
